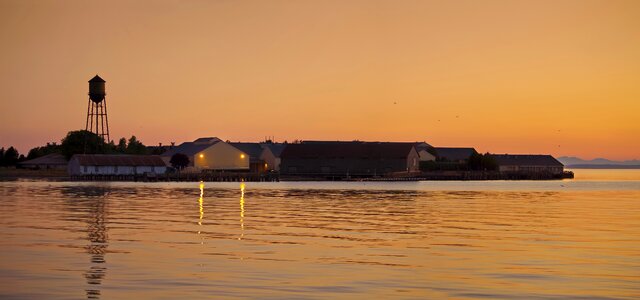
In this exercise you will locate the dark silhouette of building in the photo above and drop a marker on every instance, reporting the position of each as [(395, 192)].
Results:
[(356, 159), (528, 163), (49, 161), (454, 154)]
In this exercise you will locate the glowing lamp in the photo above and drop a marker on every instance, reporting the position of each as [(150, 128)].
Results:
[(241, 155), (201, 155)]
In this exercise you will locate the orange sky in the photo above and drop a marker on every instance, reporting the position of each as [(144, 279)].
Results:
[(558, 77)]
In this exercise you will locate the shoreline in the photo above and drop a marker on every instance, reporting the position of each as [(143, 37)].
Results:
[(7, 174)]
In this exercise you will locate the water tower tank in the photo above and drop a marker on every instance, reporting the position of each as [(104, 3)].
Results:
[(96, 89)]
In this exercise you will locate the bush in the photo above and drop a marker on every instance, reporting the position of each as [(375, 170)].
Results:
[(179, 161)]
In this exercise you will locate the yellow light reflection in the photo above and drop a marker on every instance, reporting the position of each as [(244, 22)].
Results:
[(201, 207), (242, 185)]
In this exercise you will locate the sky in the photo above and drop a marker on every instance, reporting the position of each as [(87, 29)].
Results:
[(552, 77)]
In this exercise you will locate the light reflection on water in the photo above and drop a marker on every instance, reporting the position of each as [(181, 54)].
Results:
[(242, 186), (318, 240)]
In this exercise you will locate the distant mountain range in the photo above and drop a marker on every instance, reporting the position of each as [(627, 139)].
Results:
[(598, 163)]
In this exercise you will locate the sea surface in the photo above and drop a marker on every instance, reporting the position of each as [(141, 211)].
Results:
[(570, 239)]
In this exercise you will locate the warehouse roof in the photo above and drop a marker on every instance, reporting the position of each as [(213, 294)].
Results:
[(192, 148), (252, 149), (49, 159), (526, 159)]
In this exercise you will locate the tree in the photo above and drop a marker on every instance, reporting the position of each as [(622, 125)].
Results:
[(489, 162), (135, 147), (43, 150), (179, 161), (480, 162), (2, 156), (475, 161), (82, 141), (122, 145), (11, 157), (110, 148)]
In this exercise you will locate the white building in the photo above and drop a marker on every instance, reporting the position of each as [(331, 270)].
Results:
[(107, 164), (210, 153), (271, 155)]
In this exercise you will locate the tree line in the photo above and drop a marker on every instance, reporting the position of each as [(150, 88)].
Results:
[(78, 142), (475, 162)]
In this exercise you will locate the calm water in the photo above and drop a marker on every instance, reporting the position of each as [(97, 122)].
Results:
[(552, 239)]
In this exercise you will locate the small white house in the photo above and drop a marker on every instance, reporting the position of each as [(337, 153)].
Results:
[(107, 164)]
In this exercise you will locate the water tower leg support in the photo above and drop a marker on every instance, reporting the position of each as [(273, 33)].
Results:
[(86, 126), (106, 118)]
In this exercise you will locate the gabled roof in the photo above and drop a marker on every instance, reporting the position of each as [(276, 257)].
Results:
[(96, 79), (119, 160), (207, 140), (187, 148), (526, 159), (49, 159), (276, 148), (353, 150), (423, 145), (454, 153), (252, 149), (192, 148)]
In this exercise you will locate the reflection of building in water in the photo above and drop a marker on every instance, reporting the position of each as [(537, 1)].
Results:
[(242, 185)]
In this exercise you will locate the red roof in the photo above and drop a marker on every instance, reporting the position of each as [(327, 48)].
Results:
[(119, 160)]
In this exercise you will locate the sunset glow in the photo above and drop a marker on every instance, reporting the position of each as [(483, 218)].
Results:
[(557, 77)]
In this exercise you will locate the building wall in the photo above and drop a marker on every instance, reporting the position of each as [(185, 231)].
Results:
[(45, 166), (342, 166), (413, 161), (531, 169), (273, 162), (75, 169), (221, 156)]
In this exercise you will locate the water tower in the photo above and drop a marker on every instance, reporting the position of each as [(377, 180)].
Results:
[(97, 121)]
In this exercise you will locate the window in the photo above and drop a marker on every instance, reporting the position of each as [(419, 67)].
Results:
[(85, 169)]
